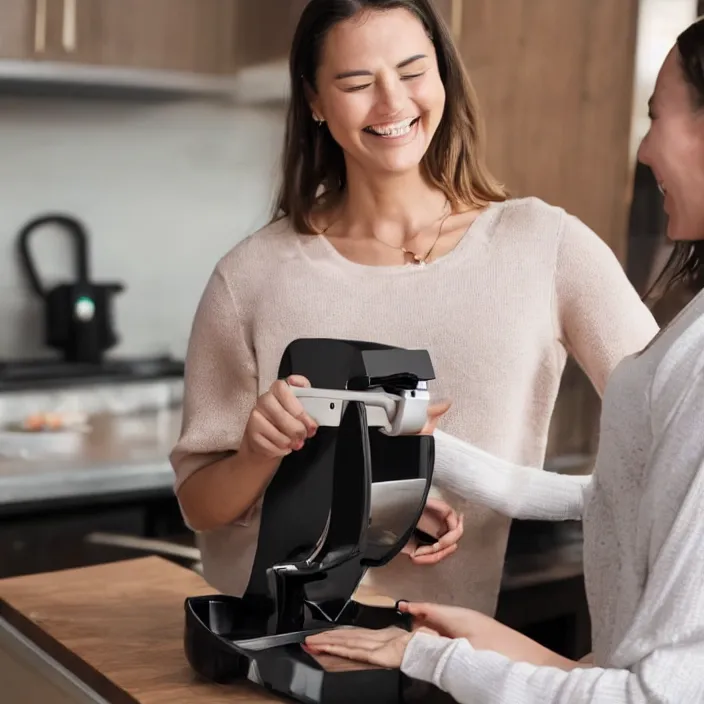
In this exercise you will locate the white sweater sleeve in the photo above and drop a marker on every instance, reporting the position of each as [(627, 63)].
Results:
[(515, 491), (660, 657)]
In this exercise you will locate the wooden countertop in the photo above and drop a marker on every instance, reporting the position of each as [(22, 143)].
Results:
[(119, 628)]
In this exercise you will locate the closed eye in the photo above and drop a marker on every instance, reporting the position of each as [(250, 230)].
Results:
[(409, 76), (354, 89)]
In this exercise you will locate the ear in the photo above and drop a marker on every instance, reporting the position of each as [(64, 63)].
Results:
[(314, 103)]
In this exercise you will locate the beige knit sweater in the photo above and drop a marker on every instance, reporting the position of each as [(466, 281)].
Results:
[(527, 283)]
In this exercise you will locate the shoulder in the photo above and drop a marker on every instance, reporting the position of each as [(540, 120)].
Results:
[(252, 262), (259, 249), (538, 222), (681, 366)]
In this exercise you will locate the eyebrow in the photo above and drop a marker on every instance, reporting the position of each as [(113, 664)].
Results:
[(402, 64)]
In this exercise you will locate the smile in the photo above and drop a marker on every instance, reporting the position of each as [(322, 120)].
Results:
[(393, 129)]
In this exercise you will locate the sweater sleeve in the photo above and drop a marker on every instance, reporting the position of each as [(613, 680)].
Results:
[(600, 317), (515, 491), (220, 383), (660, 657)]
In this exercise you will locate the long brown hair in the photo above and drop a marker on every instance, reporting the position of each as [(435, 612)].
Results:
[(314, 171), (686, 263)]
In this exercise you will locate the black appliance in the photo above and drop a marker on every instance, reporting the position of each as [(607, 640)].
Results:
[(78, 317), (78, 323), (347, 501)]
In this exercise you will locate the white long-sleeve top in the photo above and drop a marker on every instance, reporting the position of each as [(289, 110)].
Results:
[(643, 541)]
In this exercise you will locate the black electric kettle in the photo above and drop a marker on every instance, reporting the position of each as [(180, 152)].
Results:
[(78, 314)]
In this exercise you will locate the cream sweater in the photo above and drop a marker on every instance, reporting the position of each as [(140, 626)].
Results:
[(644, 541), (527, 283)]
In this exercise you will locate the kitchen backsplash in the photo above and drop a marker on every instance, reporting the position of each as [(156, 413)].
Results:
[(163, 189)]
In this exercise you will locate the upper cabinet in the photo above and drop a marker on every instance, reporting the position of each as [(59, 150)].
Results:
[(160, 45), (264, 30), (173, 35), (22, 29), (185, 45)]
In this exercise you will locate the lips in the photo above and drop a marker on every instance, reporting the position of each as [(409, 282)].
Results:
[(391, 130)]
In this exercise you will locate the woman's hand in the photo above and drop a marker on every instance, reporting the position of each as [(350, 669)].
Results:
[(278, 424), (436, 410), (384, 647), (483, 633), (441, 521)]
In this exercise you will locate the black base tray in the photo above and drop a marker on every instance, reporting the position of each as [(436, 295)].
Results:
[(225, 643)]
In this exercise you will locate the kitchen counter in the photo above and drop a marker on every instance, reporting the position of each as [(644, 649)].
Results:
[(120, 453), (107, 634)]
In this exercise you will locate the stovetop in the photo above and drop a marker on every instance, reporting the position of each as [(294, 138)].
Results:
[(53, 373)]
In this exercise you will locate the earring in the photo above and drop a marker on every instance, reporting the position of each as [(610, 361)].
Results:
[(319, 120)]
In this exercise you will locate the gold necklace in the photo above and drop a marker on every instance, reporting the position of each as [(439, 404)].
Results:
[(417, 259)]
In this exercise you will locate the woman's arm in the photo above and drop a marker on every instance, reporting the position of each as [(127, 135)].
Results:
[(518, 492), (599, 317), (661, 655), (214, 485)]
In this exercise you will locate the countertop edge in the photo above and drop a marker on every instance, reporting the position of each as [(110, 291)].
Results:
[(90, 681)]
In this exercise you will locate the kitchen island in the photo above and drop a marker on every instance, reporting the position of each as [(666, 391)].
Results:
[(105, 634)]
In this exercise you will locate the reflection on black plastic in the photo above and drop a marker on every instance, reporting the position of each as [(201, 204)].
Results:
[(350, 499)]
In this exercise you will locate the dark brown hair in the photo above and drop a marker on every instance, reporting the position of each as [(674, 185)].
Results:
[(314, 171), (686, 263)]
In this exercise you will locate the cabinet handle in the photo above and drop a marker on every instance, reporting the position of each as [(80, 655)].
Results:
[(456, 19), (68, 29), (40, 26)]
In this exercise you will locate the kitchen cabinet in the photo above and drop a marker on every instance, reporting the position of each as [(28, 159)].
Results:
[(264, 30), (22, 29), (117, 42), (54, 537), (175, 35)]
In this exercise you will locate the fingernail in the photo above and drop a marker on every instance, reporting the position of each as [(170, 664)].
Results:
[(401, 601)]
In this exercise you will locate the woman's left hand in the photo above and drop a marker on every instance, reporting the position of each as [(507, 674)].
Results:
[(387, 647), (440, 520), (384, 647)]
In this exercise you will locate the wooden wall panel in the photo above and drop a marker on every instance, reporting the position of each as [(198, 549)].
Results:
[(555, 80)]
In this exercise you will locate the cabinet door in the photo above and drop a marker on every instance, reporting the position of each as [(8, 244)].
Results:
[(264, 30), (23, 27), (176, 35)]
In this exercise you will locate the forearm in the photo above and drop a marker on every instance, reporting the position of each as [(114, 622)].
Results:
[(471, 675), (515, 491), (224, 491)]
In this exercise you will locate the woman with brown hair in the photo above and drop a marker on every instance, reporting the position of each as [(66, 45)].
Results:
[(642, 508), (391, 229)]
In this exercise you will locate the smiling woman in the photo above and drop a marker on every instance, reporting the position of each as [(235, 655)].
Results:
[(379, 113), (390, 228)]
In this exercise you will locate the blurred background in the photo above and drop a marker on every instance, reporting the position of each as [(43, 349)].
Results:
[(152, 129)]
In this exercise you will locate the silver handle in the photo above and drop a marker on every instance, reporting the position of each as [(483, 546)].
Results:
[(40, 26), (69, 37)]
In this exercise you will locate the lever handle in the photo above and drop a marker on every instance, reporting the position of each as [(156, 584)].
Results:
[(402, 414)]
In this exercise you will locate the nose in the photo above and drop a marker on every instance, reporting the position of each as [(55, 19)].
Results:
[(392, 95)]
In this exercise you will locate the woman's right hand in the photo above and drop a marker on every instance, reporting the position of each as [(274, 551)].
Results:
[(278, 423)]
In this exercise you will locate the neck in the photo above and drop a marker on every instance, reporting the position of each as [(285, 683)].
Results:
[(396, 207)]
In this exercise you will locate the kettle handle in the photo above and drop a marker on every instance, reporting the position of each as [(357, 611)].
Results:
[(75, 229)]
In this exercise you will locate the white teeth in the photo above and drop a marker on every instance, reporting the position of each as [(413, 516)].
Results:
[(397, 129)]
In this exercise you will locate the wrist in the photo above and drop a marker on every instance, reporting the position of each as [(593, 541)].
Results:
[(248, 457)]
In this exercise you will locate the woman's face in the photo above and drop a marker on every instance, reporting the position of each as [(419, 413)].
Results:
[(674, 149), (379, 90)]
